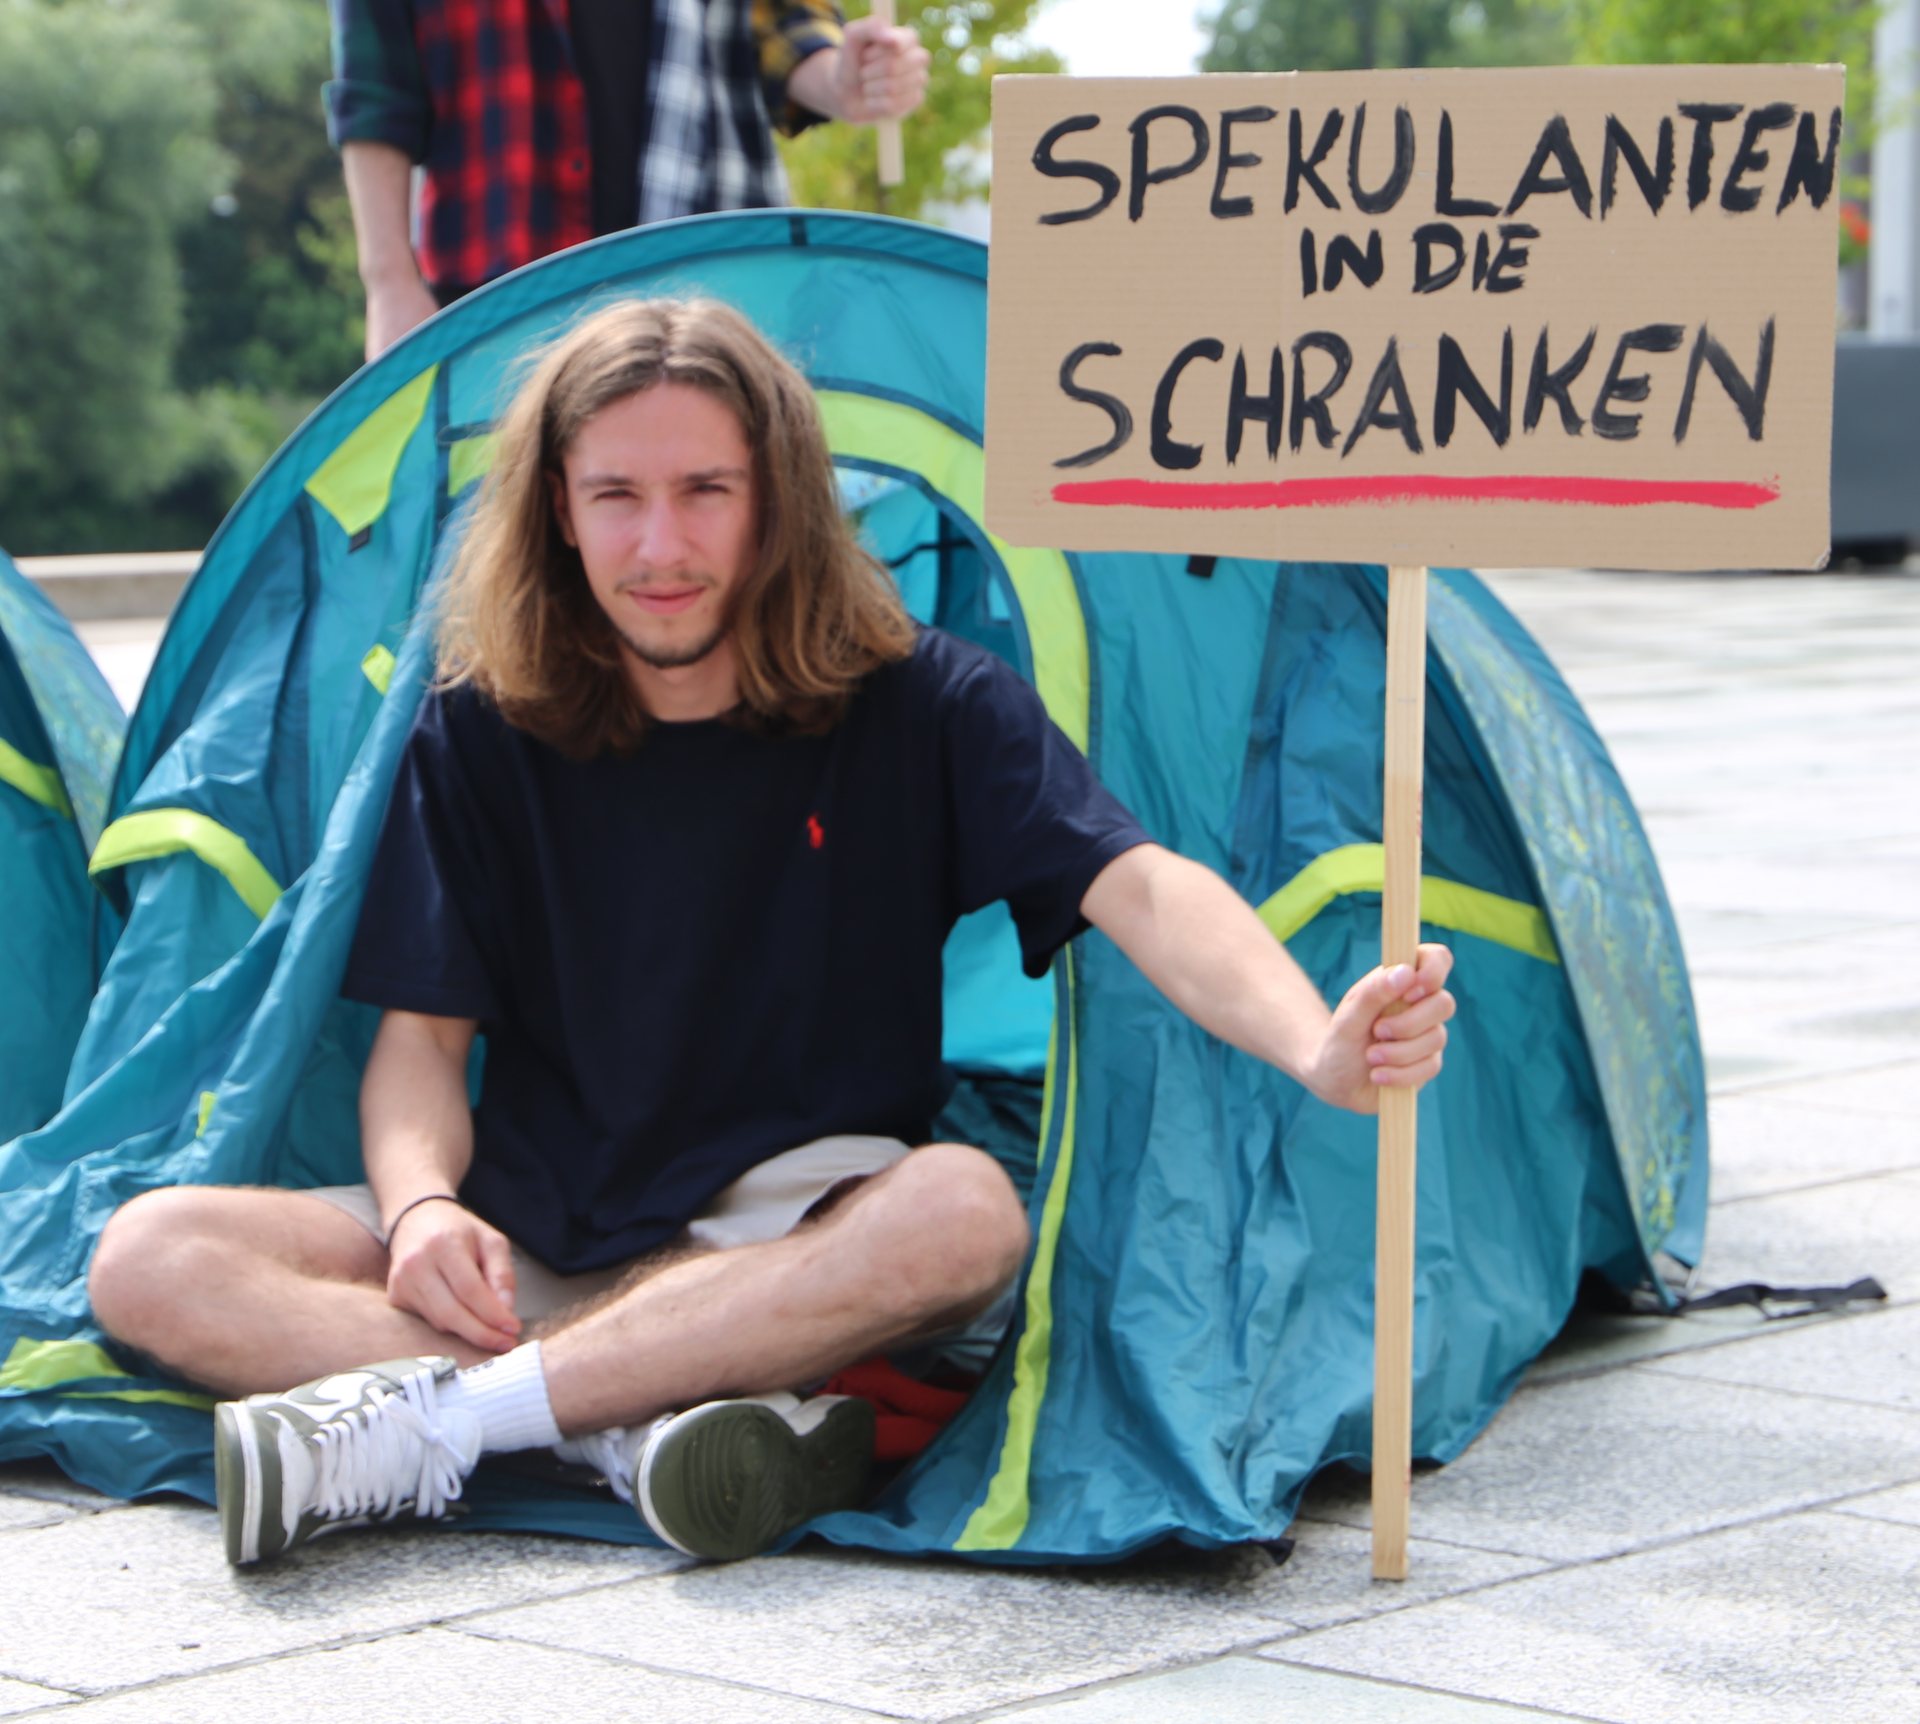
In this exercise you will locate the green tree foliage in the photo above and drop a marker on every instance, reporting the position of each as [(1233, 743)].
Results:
[(174, 261), (1720, 32), (273, 303), (273, 300), (1353, 35), (1734, 32), (105, 151), (177, 283), (971, 41)]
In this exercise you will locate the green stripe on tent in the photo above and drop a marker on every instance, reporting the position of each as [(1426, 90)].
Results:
[(49, 1364), (159, 832), (42, 1366), (1001, 1518), (355, 481), (892, 434), (171, 1397), (40, 783), (1445, 903), (467, 460), (378, 667)]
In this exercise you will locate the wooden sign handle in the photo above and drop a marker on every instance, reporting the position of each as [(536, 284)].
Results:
[(1399, 944), (893, 160)]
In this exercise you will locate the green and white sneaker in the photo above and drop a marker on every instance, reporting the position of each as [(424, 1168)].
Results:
[(349, 1448), (613, 1453), (728, 1479)]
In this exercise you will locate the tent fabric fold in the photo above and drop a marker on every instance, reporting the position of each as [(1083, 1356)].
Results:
[(60, 730)]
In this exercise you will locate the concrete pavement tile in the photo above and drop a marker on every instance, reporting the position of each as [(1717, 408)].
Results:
[(1738, 1003), (1827, 1234), (18, 1697), (45, 1481), (1249, 1691), (1736, 817), (1801, 1046), (1830, 1234), (1571, 1471), (1901, 1505), (1769, 1142), (1329, 1577), (1709, 737), (1759, 1058), (146, 1592), (1820, 736), (1870, 1356), (434, 1675), (919, 1640), (1873, 1003), (1812, 1619), (17, 1512), (1706, 928), (1821, 966), (1778, 881), (1891, 1024), (1601, 1340), (1892, 1089)]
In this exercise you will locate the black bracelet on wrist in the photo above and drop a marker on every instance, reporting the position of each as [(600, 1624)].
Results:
[(431, 1197)]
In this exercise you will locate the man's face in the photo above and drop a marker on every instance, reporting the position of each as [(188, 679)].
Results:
[(658, 497)]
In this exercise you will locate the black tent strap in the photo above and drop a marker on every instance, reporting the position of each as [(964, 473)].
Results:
[(1796, 1301), (938, 546)]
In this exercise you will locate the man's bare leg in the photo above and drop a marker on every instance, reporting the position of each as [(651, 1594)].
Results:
[(245, 1290), (249, 1290), (234, 1288), (916, 1249)]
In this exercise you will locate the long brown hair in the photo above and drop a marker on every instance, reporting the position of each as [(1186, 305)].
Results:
[(517, 618)]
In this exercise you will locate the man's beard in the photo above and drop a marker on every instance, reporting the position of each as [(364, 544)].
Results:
[(660, 657), (675, 657)]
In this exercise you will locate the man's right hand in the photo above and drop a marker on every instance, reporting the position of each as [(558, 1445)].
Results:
[(448, 1266), (394, 306)]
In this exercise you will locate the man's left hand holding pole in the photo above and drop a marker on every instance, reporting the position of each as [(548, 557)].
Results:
[(1200, 944)]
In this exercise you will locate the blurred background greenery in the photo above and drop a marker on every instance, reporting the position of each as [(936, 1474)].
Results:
[(177, 285)]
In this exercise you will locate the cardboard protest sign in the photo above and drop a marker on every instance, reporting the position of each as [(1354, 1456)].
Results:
[(1491, 317)]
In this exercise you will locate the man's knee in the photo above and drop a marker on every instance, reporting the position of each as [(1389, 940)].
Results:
[(145, 1250), (953, 1228)]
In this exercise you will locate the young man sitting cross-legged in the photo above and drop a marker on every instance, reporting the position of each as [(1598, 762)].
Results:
[(683, 828)]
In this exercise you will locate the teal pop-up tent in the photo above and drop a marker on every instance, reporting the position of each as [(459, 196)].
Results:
[(60, 729), (1194, 1333)]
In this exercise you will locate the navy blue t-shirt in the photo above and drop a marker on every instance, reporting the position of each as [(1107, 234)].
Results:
[(727, 943)]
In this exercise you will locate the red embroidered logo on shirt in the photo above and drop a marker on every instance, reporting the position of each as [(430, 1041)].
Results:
[(816, 833)]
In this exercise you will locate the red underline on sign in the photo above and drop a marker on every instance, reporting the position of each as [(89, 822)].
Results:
[(1413, 488)]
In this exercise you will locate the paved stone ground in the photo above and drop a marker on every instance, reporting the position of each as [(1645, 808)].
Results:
[(1715, 1520)]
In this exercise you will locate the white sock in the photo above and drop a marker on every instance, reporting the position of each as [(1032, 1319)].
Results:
[(508, 1395)]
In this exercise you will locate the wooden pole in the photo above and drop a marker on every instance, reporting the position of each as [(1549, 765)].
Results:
[(893, 160), (1399, 944)]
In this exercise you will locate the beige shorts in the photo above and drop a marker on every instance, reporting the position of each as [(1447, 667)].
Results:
[(766, 1202)]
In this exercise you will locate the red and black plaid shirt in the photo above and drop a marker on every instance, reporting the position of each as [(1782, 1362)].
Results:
[(486, 95)]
